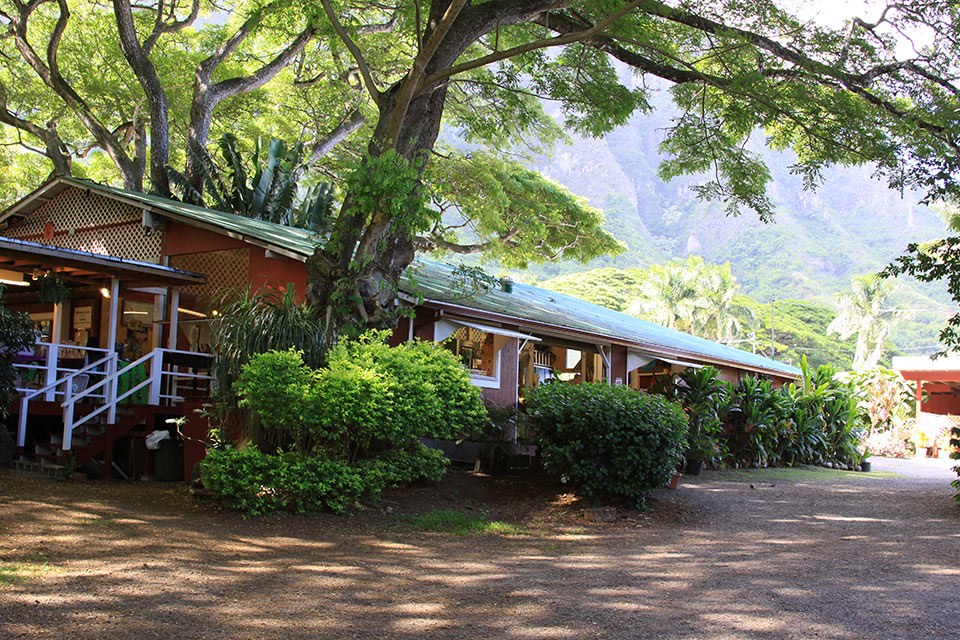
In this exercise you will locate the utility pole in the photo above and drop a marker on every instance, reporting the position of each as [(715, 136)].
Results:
[(773, 332)]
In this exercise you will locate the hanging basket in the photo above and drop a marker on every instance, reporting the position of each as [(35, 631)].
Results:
[(53, 289)]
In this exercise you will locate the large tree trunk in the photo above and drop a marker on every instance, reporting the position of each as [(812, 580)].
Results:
[(353, 278)]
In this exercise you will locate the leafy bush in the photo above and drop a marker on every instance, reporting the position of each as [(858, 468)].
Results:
[(354, 425), (370, 397), (613, 442), (255, 483)]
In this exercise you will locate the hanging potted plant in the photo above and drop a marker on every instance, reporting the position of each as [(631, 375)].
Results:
[(53, 289)]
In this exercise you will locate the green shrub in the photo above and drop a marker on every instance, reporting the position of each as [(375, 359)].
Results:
[(255, 483), (355, 424), (370, 397), (613, 442), (280, 389), (396, 468)]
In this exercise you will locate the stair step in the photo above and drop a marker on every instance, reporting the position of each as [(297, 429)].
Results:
[(55, 471)]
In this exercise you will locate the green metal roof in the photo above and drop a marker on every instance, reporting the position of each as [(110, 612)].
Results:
[(297, 241), (436, 282)]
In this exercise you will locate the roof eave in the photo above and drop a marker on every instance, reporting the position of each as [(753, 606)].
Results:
[(594, 337)]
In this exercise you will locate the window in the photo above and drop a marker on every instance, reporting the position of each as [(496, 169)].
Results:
[(476, 351)]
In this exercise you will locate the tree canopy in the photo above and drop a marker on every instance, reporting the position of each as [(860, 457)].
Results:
[(124, 91)]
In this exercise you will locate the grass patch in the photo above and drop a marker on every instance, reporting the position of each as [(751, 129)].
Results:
[(800, 474), (12, 573), (460, 523)]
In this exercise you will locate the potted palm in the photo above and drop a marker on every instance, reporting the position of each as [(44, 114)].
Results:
[(703, 397)]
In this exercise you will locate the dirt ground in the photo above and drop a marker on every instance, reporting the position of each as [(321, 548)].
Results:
[(727, 555)]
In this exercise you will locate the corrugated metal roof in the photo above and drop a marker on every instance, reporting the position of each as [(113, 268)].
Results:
[(434, 281)]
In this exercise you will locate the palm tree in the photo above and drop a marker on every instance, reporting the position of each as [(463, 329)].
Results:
[(693, 296), (862, 314)]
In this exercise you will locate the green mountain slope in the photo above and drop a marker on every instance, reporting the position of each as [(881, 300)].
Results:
[(852, 224)]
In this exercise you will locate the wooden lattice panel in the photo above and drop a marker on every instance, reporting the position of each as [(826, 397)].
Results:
[(226, 271), (86, 221)]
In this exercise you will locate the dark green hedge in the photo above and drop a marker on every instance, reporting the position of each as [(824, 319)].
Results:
[(612, 442)]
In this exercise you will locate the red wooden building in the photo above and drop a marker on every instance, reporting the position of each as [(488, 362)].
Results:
[(129, 347)]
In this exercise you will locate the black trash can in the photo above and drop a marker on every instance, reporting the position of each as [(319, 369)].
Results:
[(168, 461)]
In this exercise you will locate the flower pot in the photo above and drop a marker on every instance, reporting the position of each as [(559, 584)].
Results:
[(865, 466), (674, 482), (693, 467)]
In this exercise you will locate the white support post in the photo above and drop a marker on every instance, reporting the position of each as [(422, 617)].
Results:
[(112, 348), (67, 441), (53, 351), (156, 377), (22, 423)]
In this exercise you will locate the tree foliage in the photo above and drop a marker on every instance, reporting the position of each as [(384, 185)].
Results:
[(692, 296), (130, 88)]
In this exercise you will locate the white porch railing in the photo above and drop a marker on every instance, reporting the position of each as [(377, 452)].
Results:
[(163, 384)]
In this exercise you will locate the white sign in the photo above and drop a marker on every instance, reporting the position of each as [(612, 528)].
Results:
[(82, 317)]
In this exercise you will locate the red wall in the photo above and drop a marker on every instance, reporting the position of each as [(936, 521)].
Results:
[(263, 272), (941, 403), (180, 238), (277, 272)]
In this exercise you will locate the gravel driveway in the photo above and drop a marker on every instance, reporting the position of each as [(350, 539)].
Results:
[(728, 555)]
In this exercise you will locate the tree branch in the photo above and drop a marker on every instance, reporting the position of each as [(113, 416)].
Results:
[(138, 57), (375, 93), (545, 43), (49, 73), (408, 89)]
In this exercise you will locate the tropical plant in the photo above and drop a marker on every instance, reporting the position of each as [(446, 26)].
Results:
[(252, 323), (267, 190), (885, 396), (611, 442), (704, 398), (862, 314), (754, 417), (828, 417)]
